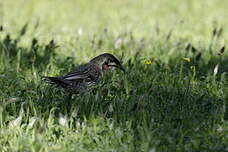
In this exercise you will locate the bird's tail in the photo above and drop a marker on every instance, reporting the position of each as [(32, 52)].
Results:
[(56, 80)]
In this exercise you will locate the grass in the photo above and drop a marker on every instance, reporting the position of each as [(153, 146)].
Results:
[(173, 96)]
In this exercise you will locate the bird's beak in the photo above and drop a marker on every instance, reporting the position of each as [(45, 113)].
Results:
[(119, 66)]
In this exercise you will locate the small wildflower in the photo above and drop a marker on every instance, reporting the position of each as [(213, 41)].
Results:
[(118, 43), (148, 62), (62, 120), (187, 59), (16, 122)]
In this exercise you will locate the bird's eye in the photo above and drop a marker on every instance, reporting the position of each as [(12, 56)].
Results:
[(109, 61), (106, 62)]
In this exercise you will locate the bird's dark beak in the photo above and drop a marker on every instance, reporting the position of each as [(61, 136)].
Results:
[(118, 65), (121, 68)]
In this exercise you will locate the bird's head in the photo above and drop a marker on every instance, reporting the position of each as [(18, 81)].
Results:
[(106, 62)]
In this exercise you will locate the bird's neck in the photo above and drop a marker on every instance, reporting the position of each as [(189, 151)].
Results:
[(98, 68)]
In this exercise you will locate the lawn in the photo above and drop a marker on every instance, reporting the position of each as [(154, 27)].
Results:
[(172, 98)]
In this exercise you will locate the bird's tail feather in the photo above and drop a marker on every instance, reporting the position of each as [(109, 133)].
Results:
[(57, 81)]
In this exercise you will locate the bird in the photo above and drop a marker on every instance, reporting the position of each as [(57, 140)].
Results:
[(87, 75)]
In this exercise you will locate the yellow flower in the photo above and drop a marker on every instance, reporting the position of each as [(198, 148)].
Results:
[(187, 59), (148, 62)]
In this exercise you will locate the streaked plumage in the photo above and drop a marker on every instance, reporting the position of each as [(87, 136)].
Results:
[(86, 75)]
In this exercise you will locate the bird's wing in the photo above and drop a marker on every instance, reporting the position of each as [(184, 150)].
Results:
[(82, 73)]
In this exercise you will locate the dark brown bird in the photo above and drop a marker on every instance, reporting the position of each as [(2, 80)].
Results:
[(87, 75)]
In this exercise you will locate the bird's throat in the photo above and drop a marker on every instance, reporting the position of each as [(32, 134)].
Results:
[(105, 67)]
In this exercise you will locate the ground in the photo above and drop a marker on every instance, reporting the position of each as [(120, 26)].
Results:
[(173, 96)]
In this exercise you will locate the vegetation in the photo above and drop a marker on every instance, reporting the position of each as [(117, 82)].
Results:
[(173, 96)]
